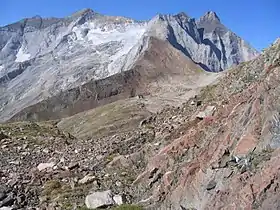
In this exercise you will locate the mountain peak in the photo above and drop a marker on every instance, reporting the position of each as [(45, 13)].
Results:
[(277, 41), (210, 16), (182, 14), (83, 12), (36, 17)]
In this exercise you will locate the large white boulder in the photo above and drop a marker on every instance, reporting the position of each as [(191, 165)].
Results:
[(99, 199)]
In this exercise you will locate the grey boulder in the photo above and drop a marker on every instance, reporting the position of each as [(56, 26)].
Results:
[(99, 199)]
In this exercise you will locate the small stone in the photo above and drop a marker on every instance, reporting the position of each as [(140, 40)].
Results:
[(15, 162), (87, 179), (24, 146), (26, 181), (157, 144), (99, 199), (124, 173), (25, 153), (211, 185), (46, 150), (118, 183), (243, 169), (72, 184), (99, 157), (62, 160), (73, 166), (209, 110), (96, 183), (43, 166)]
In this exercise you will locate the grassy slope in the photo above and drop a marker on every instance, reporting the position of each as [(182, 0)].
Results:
[(120, 116)]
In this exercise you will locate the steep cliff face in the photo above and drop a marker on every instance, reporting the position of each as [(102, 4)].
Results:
[(41, 57)]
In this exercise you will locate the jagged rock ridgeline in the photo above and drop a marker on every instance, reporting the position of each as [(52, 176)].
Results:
[(41, 56)]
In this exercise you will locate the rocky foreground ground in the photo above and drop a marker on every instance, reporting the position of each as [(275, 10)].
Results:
[(219, 150)]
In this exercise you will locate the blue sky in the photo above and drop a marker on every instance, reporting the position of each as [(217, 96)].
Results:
[(257, 21)]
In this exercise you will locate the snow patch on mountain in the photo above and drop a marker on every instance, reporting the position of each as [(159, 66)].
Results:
[(22, 55), (128, 36)]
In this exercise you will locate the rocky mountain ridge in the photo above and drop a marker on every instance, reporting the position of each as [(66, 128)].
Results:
[(41, 57)]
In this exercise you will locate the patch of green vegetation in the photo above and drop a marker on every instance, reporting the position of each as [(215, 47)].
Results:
[(260, 157), (128, 207), (77, 192), (209, 92), (64, 195), (51, 187), (29, 129), (67, 206), (111, 157), (248, 78), (149, 126), (83, 208)]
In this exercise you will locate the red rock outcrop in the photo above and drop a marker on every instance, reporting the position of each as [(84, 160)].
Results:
[(232, 159)]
